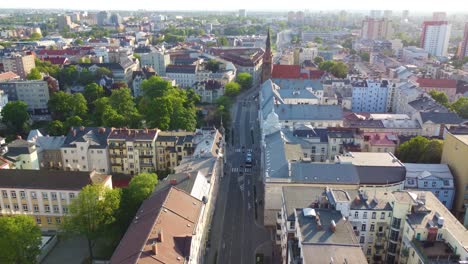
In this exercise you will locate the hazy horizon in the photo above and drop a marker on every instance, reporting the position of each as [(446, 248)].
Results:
[(449, 6)]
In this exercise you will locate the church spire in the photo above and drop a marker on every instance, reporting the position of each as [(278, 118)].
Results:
[(267, 66), (268, 42)]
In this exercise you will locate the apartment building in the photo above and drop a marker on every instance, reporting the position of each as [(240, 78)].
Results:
[(86, 149), (172, 147), (44, 195), (132, 151), (376, 28), (34, 93), (165, 230), (48, 150), (372, 96), (158, 59), (22, 154), (435, 178), (454, 155), (389, 226), (435, 37), (21, 64)]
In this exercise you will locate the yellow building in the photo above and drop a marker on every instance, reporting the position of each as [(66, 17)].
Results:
[(172, 147), (455, 154), (44, 195), (132, 151)]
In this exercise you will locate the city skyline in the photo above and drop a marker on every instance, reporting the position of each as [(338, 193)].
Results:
[(186, 5)]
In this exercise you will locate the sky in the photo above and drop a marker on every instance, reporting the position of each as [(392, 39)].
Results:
[(414, 6)]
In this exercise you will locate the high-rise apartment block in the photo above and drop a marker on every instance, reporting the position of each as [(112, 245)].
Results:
[(20, 64), (463, 51), (376, 28), (435, 37)]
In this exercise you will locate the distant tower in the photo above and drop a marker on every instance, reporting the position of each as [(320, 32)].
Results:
[(267, 66)]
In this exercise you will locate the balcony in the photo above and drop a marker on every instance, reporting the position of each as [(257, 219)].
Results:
[(145, 156), (435, 252), (146, 164)]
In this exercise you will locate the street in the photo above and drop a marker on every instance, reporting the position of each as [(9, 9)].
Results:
[(235, 234)]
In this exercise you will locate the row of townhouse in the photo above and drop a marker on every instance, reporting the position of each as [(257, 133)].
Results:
[(111, 150), (386, 226)]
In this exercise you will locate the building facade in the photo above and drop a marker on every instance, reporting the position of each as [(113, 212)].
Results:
[(376, 28), (86, 149), (34, 93), (21, 64), (44, 195), (132, 151), (435, 37), (372, 96)]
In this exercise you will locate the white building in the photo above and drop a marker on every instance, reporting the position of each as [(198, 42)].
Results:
[(86, 149), (435, 37), (157, 59), (372, 96), (307, 54), (3, 101)]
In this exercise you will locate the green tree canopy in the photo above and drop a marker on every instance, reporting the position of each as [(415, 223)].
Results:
[(232, 89), (64, 105), (167, 107), (420, 150), (122, 102), (34, 74), (223, 41), (339, 70), (461, 107), (440, 97), (213, 65), (318, 60), (20, 239), (56, 128), (92, 212), (365, 56), (139, 188), (245, 80), (326, 65), (35, 36), (92, 92), (16, 116)]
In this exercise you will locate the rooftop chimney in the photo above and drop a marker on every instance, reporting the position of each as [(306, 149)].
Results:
[(160, 236), (333, 226), (81, 128), (74, 132), (154, 248), (173, 182)]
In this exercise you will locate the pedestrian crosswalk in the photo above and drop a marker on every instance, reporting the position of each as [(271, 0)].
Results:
[(240, 150), (237, 169)]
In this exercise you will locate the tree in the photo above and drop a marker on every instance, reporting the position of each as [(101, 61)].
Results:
[(101, 71), (318, 40), (15, 116), (157, 111), (155, 86), (34, 74), (20, 239), (139, 188), (35, 36), (365, 56), (213, 65), (73, 121), (326, 65), (232, 89), (461, 107), (245, 80), (339, 70), (122, 102), (92, 92), (440, 97), (92, 212), (420, 150), (223, 41), (56, 128), (318, 60), (64, 105)]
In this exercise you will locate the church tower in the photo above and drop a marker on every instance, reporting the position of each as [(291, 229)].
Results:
[(267, 66)]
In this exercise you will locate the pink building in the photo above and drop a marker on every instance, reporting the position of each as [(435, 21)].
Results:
[(449, 87)]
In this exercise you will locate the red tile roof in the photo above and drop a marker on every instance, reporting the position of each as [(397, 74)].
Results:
[(165, 222), (66, 52), (316, 74), (8, 76), (437, 83), (286, 71), (56, 61)]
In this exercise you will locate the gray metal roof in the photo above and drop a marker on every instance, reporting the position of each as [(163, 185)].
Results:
[(380, 174), (309, 112), (290, 93), (292, 84), (276, 165), (420, 171), (440, 118), (323, 173), (50, 143)]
